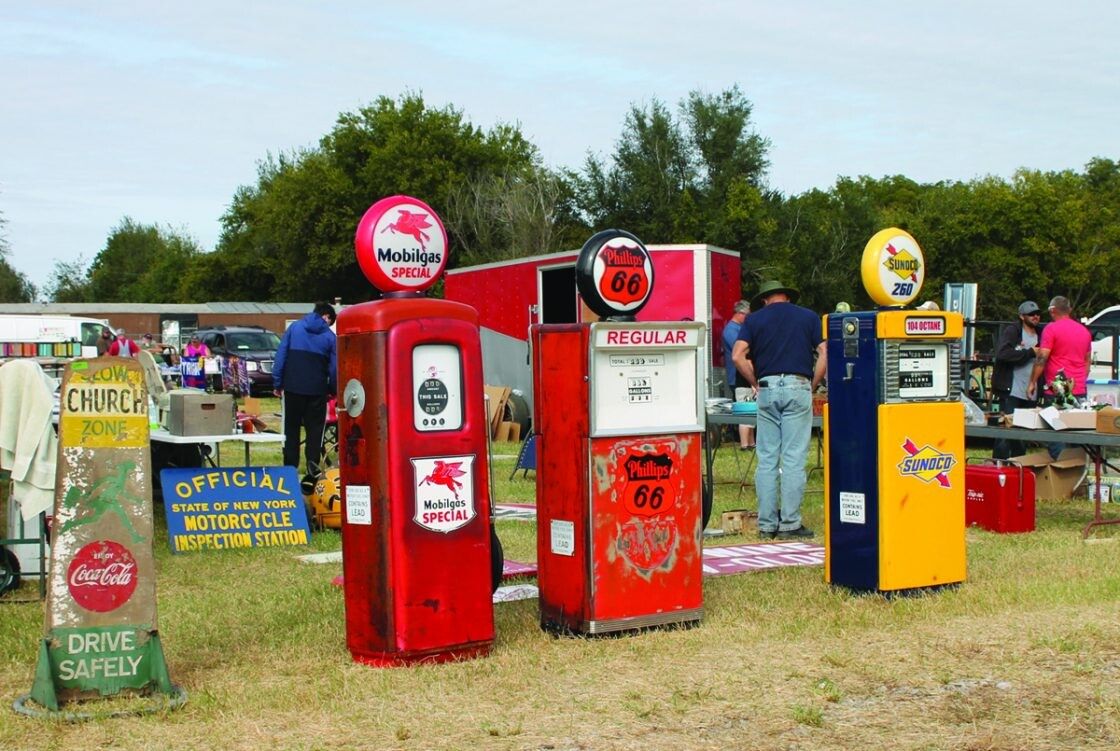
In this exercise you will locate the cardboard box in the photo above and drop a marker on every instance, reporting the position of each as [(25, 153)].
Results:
[(1055, 478), (496, 398), (251, 406), (198, 413), (735, 522), (1028, 418), (1108, 420), (1069, 419)]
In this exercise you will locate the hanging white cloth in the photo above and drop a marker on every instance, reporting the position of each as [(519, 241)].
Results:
[(28, 444)]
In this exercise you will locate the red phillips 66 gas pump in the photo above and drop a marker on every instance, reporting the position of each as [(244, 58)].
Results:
[(416, 534), (619, 410)]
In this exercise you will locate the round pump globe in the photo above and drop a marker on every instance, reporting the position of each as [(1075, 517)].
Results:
[(401, 245), (893, 267)]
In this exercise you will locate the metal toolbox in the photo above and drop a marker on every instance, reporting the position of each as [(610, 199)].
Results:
[(198, 413)]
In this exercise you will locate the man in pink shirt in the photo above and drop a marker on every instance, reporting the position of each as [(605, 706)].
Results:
[(1065, 346)]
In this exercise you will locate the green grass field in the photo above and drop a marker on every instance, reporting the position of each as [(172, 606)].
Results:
[(1025, 655)]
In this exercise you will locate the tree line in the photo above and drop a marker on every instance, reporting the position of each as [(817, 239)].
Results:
[(694, 173)]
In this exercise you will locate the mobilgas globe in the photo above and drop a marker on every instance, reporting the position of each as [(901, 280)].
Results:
[(893, 267), (401, 245)]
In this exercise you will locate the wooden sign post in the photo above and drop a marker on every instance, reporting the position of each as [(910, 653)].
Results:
[(100, 632)]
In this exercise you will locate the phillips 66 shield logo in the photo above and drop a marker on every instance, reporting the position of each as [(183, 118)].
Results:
[(614, 273), (649, 490), (646, 482)]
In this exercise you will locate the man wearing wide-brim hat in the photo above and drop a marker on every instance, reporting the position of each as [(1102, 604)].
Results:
[(775, 352)]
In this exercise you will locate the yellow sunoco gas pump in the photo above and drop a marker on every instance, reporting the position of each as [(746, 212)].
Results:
[(894, 433)]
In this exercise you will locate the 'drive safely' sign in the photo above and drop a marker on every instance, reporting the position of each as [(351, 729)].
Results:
[(215, 509)]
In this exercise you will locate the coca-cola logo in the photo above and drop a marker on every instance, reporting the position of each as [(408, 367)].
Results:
[(102, 576)]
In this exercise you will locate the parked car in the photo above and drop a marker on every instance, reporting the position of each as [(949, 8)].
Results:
[(254, 344), (1105, 327)]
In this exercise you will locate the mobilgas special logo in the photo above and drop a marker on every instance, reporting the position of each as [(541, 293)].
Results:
[(927, 463), (409, 247), (902, 263)]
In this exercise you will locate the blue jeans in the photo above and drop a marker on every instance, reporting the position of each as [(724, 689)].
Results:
[(785, 424)]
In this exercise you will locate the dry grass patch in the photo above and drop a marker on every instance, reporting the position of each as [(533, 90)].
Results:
[(1025, 655)]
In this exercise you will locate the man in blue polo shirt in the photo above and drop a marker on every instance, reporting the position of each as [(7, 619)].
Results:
[(774, 353)]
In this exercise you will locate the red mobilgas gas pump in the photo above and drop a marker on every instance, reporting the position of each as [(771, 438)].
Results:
[(619, 411), (416, 534)]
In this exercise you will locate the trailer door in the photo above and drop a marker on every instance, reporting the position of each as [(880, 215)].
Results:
[(558, 297)]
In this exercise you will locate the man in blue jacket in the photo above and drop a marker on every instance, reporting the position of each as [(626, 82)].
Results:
[(304, 376)]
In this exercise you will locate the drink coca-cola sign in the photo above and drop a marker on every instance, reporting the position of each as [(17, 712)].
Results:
[(102, 576)]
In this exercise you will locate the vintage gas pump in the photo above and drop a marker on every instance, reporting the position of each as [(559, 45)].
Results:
[(416, 534), (894, 433), (619, 411)]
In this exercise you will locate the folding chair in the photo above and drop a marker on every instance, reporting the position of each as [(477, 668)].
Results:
[(527, 457), (329, 454)]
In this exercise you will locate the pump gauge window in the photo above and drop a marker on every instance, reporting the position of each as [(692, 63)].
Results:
[(437, 389)]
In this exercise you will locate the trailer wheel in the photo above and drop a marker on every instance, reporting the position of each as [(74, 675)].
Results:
[(9, 570), (706, 490), (517, 410), (497, 560)]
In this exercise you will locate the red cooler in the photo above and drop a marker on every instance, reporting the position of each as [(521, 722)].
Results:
[(999, 496)]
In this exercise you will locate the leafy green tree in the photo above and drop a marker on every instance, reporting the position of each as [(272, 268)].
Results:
[(821, 235), (69, 282), (14, 285), (697, 177), (140, 263), (296, 225), (1038, 235), (514, 214)]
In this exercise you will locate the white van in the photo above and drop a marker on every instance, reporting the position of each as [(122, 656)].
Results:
[(49, 336), (1105, 327)]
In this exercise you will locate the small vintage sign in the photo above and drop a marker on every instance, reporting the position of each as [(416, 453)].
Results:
[(100, 634), (444, 492), (223, 508), (925, 326)]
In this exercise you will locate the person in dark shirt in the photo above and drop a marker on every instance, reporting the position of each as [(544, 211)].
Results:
[(1015, 355), (736, 387), (304, 375), (774, 353)]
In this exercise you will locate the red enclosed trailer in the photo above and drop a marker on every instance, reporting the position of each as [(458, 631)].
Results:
[(694, 283)]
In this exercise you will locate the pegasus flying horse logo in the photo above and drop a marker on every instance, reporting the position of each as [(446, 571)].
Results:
[(412, 224), (446, 474)]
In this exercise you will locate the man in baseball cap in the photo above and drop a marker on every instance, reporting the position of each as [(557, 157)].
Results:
[(1015, 355)]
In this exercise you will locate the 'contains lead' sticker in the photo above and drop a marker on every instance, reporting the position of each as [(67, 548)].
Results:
[(562, 537), (853, 508), (359, 510), (893, 267)]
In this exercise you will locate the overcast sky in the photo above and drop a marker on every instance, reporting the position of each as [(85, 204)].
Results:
[(159, 111)]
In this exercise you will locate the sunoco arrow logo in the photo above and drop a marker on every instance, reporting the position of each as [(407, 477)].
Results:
[(927, 464), (902, 263)]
